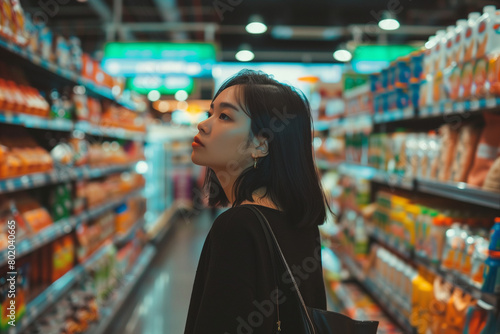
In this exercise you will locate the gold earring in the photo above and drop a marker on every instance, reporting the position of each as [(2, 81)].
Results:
[(254, 162)]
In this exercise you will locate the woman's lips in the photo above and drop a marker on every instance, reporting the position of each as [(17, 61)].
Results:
[(196, 144)]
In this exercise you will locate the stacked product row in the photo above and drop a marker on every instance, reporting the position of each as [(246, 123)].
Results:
[(32, 33), (455, 239), (462, 152), (460, 63), (22, 153), (39, 269), (32, 214)]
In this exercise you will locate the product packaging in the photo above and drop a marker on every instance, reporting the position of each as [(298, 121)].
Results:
[(492, 265), (448, 138), (488, 150), (465, 151), (492, 180)]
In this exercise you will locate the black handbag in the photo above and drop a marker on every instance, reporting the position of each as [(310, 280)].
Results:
[(313, 321)]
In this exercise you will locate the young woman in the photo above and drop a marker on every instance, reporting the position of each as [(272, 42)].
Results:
[(257, 146)]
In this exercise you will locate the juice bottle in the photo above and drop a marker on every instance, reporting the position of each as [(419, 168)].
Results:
[(426, 224), (449, 46), (439, 50), (470, 246), (428, 63), (492, 265), (470, 37), (478, 260), (450, 246), (459, 45), (437, 237), (487, 39)]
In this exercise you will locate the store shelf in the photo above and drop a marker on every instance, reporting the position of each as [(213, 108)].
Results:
[(460, 281), (126, 237), (460, 192), (57, 290), (62, 227), (452, 277), (445, 108), (325, 164), (394, 180), (109, 313), (390, 306), (109, 131), (395, 115), (96, 212), (452, 190), (64, 73), (390, 243), (59, 175), (36, 122), (47, 298)]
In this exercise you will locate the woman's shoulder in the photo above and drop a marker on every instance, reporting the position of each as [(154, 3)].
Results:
[(236, 219)]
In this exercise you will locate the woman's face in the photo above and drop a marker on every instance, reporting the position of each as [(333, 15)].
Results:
[(224, 136)]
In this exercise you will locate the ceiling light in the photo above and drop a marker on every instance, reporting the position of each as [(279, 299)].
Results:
[(181, 95), (245, 53), (342, 55), (388, 21), (256, 25), (154, 95)]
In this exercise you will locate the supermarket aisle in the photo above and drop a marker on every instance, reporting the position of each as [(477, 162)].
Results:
[(160, 303)]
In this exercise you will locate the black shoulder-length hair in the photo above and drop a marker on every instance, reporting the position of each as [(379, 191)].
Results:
[(282, 115)]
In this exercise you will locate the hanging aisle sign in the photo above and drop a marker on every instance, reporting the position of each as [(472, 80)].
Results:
[(148, 58)]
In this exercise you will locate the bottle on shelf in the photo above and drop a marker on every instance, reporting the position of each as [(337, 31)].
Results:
[(492, 266)]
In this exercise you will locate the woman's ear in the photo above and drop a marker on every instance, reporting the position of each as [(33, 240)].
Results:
[(261, 147)]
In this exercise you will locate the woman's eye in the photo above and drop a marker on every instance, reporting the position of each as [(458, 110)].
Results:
[(224, 117), (208, 114)]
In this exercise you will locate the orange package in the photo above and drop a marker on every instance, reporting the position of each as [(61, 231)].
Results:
[(456, 312), (437, 306), (449, 138), (487, 151), (467, 77), (492, 181), (465, 152)]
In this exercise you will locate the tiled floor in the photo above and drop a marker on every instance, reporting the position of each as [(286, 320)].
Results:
[(160, 303)]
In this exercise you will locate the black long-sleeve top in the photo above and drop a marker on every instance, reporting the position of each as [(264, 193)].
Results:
[(234, 288)]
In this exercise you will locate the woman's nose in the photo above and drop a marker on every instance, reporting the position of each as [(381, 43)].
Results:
[(203, 126)]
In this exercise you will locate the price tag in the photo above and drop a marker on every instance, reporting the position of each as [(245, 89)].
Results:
[(9, 117), (10, 185), (448, 108), (25, 181), (491, 103), (436, 110), (38, 180), (474, 105), (54, 178), (51, 66)]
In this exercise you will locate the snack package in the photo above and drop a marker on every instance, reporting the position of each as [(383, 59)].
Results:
[(465, 152), (437, 307), (456, 312), (442, 165), (492, 181), (488, 150)]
